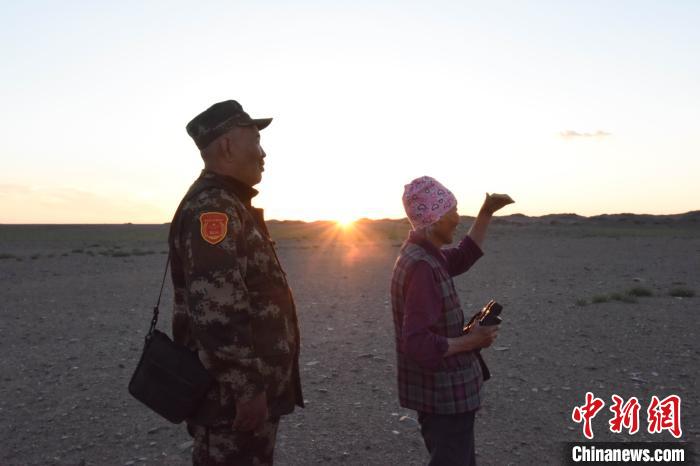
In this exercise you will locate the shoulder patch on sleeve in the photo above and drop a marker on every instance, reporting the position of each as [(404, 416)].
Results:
[(213, 226)]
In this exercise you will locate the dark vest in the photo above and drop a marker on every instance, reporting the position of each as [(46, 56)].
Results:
[(454, 386)]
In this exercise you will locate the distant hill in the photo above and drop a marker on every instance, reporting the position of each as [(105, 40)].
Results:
[(692, 217), (575, 219)]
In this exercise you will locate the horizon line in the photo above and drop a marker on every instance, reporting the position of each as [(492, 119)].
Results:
[(517, 214)]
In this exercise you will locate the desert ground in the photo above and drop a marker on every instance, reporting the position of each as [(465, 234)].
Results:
[(76, 303)]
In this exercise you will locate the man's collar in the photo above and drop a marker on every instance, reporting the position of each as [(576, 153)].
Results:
[(242, 190), (420, 240)]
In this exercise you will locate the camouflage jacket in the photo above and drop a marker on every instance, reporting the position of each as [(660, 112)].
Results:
[(232, 301)]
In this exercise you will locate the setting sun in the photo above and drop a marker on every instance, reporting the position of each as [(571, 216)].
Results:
[(345, 223)]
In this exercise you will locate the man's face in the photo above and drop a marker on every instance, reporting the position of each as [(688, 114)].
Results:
[(245, 155), (444, 228)]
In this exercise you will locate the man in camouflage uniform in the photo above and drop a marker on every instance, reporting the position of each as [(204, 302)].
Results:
[(232, 300)]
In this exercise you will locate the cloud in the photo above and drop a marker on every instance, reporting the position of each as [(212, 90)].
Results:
[(569, 134)]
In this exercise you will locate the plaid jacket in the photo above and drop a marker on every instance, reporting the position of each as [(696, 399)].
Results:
[(454, 386)]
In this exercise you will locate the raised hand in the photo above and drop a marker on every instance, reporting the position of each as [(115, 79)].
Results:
[(494, 202)]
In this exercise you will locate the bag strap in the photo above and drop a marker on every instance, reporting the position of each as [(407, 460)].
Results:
[(154, 321), (193, 191)]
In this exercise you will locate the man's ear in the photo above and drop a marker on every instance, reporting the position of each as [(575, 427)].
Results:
[(227, 148)]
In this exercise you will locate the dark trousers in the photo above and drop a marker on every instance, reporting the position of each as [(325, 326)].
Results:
[(449, 438)]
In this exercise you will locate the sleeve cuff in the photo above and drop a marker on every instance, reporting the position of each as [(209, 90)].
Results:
[(243, 384), (473, 247)]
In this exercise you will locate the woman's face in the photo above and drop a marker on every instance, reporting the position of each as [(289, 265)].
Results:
[(444, 228)]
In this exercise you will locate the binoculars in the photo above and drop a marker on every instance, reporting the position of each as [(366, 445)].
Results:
[(489, 315)]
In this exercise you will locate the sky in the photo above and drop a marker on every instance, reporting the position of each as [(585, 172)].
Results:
[(570, 107)]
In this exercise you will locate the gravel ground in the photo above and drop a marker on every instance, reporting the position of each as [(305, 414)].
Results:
[(76, 300)]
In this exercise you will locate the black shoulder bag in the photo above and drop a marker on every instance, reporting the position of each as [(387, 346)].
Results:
[(169, 378)]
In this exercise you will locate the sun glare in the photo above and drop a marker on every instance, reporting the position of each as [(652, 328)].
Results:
[(345, 223)]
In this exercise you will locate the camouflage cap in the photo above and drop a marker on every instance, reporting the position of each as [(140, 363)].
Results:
[(219, 118)]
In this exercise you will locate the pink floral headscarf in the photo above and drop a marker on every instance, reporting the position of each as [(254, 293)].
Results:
[(426, 200)]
